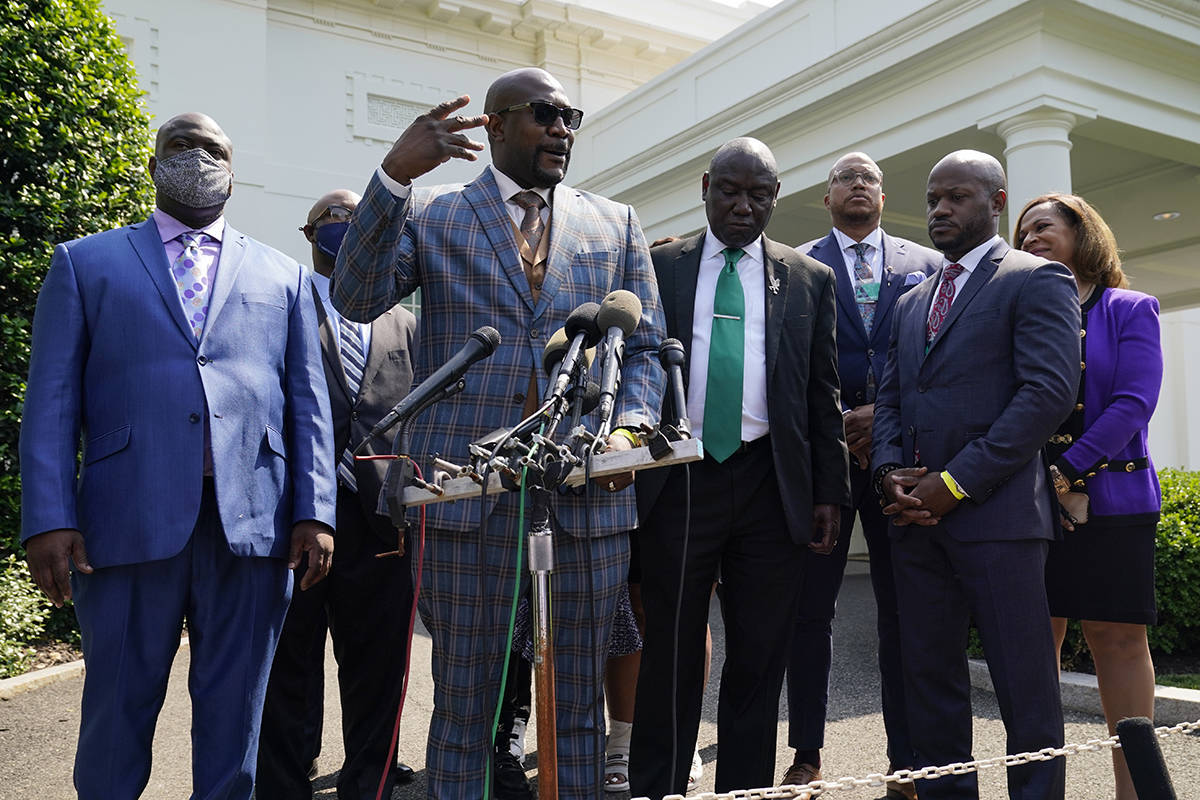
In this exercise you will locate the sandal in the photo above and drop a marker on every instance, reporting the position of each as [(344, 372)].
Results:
[(697, 770), (616, 771), (616, 759)]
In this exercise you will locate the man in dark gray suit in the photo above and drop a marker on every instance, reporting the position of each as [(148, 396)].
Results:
[(757, 321), (983, 365), (366, 601), (873, 270)]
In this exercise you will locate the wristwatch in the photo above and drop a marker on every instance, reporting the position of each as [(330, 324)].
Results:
[(1061, 484)]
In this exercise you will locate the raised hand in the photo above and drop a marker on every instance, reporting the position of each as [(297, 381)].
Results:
[(433, 138)]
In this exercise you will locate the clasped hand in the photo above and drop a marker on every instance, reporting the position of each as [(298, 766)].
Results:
[(916, 496)]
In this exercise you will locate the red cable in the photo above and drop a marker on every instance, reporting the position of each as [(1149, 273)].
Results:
[(412, 624)]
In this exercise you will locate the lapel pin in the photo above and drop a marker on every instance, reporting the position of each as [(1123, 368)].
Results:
[(773, 284)]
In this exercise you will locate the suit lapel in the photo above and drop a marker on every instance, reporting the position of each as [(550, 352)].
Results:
[(890, 285), (147, 242), (564, 244), (329, 343), (684, 274), (979, 276), (484, 197), (381, 345), (776, 289), (917, 323), (233, 252)]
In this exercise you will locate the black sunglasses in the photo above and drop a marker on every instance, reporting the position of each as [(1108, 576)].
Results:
[(545, 113)]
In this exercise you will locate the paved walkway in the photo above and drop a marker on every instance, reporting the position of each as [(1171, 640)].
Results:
[(38, 728)]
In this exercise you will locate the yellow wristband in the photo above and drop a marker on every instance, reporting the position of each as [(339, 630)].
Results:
[(629, 435), (953, 486)]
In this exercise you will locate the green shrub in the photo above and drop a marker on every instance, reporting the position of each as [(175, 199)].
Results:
[(74, 142), (1177, 565), (22, 617)]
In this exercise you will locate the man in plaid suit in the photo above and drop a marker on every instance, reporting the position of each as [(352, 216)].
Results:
[(517, 250)]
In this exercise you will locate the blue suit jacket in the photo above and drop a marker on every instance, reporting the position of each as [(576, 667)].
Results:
[(116, 367), (904, 262), (457, 244), (984, 398)]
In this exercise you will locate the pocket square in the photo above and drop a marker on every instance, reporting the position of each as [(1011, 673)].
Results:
[(913, 278)]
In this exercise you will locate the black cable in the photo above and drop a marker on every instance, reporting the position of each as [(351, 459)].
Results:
[(687, 529)]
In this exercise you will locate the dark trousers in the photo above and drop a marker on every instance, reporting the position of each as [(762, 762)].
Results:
[(1001, 585), (365, 603), (130, 617), (737, 525), (812, 642)]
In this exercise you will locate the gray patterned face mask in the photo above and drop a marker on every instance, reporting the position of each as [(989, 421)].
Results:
[(194, 179)]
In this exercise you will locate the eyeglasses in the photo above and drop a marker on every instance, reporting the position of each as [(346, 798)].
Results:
[(335, 213), (546, 113), (847, 177)]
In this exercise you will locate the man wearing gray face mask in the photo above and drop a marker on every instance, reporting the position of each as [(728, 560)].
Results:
[(182, 357)]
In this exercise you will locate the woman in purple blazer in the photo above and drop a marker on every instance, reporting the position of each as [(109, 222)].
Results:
[(1102, 571)]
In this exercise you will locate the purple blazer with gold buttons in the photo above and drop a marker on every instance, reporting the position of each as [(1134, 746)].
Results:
[(1121, 381)]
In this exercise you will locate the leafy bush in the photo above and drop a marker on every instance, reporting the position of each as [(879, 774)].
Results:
[(22, 617), (74, 142), (1177, 565)]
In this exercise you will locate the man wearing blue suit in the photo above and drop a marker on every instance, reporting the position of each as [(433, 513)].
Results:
[(982, 367), (518, 250), (184, 356), (872, 270)]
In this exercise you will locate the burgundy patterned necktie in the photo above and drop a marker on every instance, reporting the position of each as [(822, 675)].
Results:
[(943, 301)]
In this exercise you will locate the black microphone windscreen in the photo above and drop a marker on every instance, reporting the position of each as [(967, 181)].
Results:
[(489, 336), (620, 309), (591, 397), (671, 353), (1144, 757), (583, 320), (555, 349)]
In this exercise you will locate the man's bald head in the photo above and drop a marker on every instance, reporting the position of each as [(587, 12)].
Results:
[(855, 160), (744, 148), (519, 86), (193, 125), (964, 199), (739, 191), (338, 197)]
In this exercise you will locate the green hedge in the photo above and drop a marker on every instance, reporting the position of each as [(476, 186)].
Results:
[(74, 143), (1176, 578)]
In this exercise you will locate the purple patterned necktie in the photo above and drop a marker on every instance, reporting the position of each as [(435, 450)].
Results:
[(941, 305), (192, 280)]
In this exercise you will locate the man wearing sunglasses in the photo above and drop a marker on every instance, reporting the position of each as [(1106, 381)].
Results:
[(518, 250), (873, 269), (366, 600)]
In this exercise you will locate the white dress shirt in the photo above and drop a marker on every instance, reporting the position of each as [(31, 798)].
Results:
[(873, 255), (968, 262), (751, 270), (322, 285)]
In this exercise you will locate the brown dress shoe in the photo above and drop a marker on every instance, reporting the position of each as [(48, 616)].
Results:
[(801, 773), (901, 791)]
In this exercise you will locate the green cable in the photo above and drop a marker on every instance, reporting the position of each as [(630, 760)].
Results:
[(512, 624)]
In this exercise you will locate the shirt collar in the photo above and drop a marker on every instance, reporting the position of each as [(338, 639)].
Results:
[(873, 239), (509, 188), (713, 247), (972, 257), (169, 228), (322, 285)]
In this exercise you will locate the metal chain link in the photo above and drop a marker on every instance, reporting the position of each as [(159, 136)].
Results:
[(816, 788)]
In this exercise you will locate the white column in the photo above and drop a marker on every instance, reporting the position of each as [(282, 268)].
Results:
[(1037, 152)]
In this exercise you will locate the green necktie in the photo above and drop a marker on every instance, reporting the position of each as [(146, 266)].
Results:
[(726, 353)]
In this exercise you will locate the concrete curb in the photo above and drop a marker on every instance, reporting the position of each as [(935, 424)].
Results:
[(11, 687), (1081, 693)]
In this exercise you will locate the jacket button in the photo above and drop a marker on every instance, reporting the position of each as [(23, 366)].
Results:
[(518, 398), (911, 432), (921, 389), (535, 333), (202, 360), (858, 395), (193, 417), (870, 354), (354, 415)]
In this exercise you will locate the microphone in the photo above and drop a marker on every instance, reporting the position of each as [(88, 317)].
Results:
[(672, 357), (580, 333), (480, 344), (1147, 768), (619, 315)]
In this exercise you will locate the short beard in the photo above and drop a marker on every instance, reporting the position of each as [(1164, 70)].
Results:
[(543, 178)]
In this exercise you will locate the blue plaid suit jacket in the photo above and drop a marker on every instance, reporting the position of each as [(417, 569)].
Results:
[(457, 244)]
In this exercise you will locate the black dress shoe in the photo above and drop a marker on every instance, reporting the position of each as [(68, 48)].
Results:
[(404, 773), (508, 778)]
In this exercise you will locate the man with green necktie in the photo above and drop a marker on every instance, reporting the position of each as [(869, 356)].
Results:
[(757, 320)]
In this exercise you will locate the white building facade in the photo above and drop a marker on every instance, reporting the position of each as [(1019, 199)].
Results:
[(1100, 97)]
